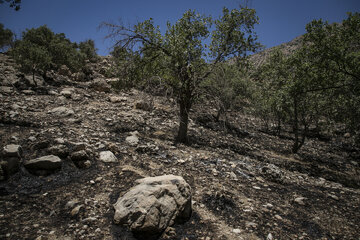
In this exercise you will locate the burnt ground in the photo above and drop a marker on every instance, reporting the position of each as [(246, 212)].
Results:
[(245, 182)]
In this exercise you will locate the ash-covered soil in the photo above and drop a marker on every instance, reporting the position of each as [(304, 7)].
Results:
[(245, 182)]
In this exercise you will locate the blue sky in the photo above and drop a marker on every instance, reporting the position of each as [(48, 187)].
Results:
[(280, 20)]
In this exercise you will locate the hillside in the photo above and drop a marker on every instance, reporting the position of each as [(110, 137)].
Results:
[(287, 48), (245, 182)]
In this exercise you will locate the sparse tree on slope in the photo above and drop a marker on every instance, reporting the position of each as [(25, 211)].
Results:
[(187, 59), (6, 37)]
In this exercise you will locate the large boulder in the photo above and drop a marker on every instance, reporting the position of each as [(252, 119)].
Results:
[(153, 205), (43, 165)]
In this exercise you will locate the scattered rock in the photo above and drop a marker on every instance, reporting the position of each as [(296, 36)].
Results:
[(12, 154), (75, 211), (107, 156), (269, 237), (116, 99), (100, 85), (71, 204), (153, 205), (12, 150), (299, 200), (133, 139), (142, 105), (67, 92), (62, 111), (43, 165), (59, 150), (79, 156), (272, 173)]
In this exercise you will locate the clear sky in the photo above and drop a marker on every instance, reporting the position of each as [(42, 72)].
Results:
[(280, 20)]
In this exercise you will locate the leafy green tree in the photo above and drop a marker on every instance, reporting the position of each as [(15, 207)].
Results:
[(334, 50), (31, 57), (41, 50), (289, 93), (13, 4), (186, 57), (88, 50), (228, 86), (6, 37)]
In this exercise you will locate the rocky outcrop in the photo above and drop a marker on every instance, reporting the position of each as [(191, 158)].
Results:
[(153, 205)]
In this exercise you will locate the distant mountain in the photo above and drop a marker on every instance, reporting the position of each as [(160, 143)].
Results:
[(287, 48)]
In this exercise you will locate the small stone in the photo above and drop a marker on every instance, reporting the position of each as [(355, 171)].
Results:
[(79, 156), (256, 187), (32, 139), (59, 140), (62, 111), (278, 217), (299, 200), (236, 230), (97, 230), (79, 146), (98, 179), (12, 150), (233, 176), (132, 140), (269, 237), (107, 156), (71, 204), (116, 99), (333, 197), (66, 93), (76, 210), (251, 224), (87, 164)]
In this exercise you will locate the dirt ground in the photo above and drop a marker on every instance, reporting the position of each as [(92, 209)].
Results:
[(246, 184)]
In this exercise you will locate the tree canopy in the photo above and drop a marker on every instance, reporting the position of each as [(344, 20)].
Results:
[(183, 52), (40, 50)]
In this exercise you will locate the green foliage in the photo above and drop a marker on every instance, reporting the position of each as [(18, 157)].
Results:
[(320, 80), (41, 50), (6, 37), (88, 50), (228, 87), (13, 4), (181, 56), (334, 50)]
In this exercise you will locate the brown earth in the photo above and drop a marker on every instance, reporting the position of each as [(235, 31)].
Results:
[(245, 182)]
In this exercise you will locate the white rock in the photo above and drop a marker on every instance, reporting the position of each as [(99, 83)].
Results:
[(299, 200), (62, 111), (132, 140), (107, 156)]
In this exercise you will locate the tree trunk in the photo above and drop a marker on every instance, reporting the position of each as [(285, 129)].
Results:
[(296, 145), (184, 121)]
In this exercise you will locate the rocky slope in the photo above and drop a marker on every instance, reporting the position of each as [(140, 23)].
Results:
[(245, 183), (287, 48)]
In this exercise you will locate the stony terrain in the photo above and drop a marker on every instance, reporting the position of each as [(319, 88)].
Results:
[(245, 183)]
